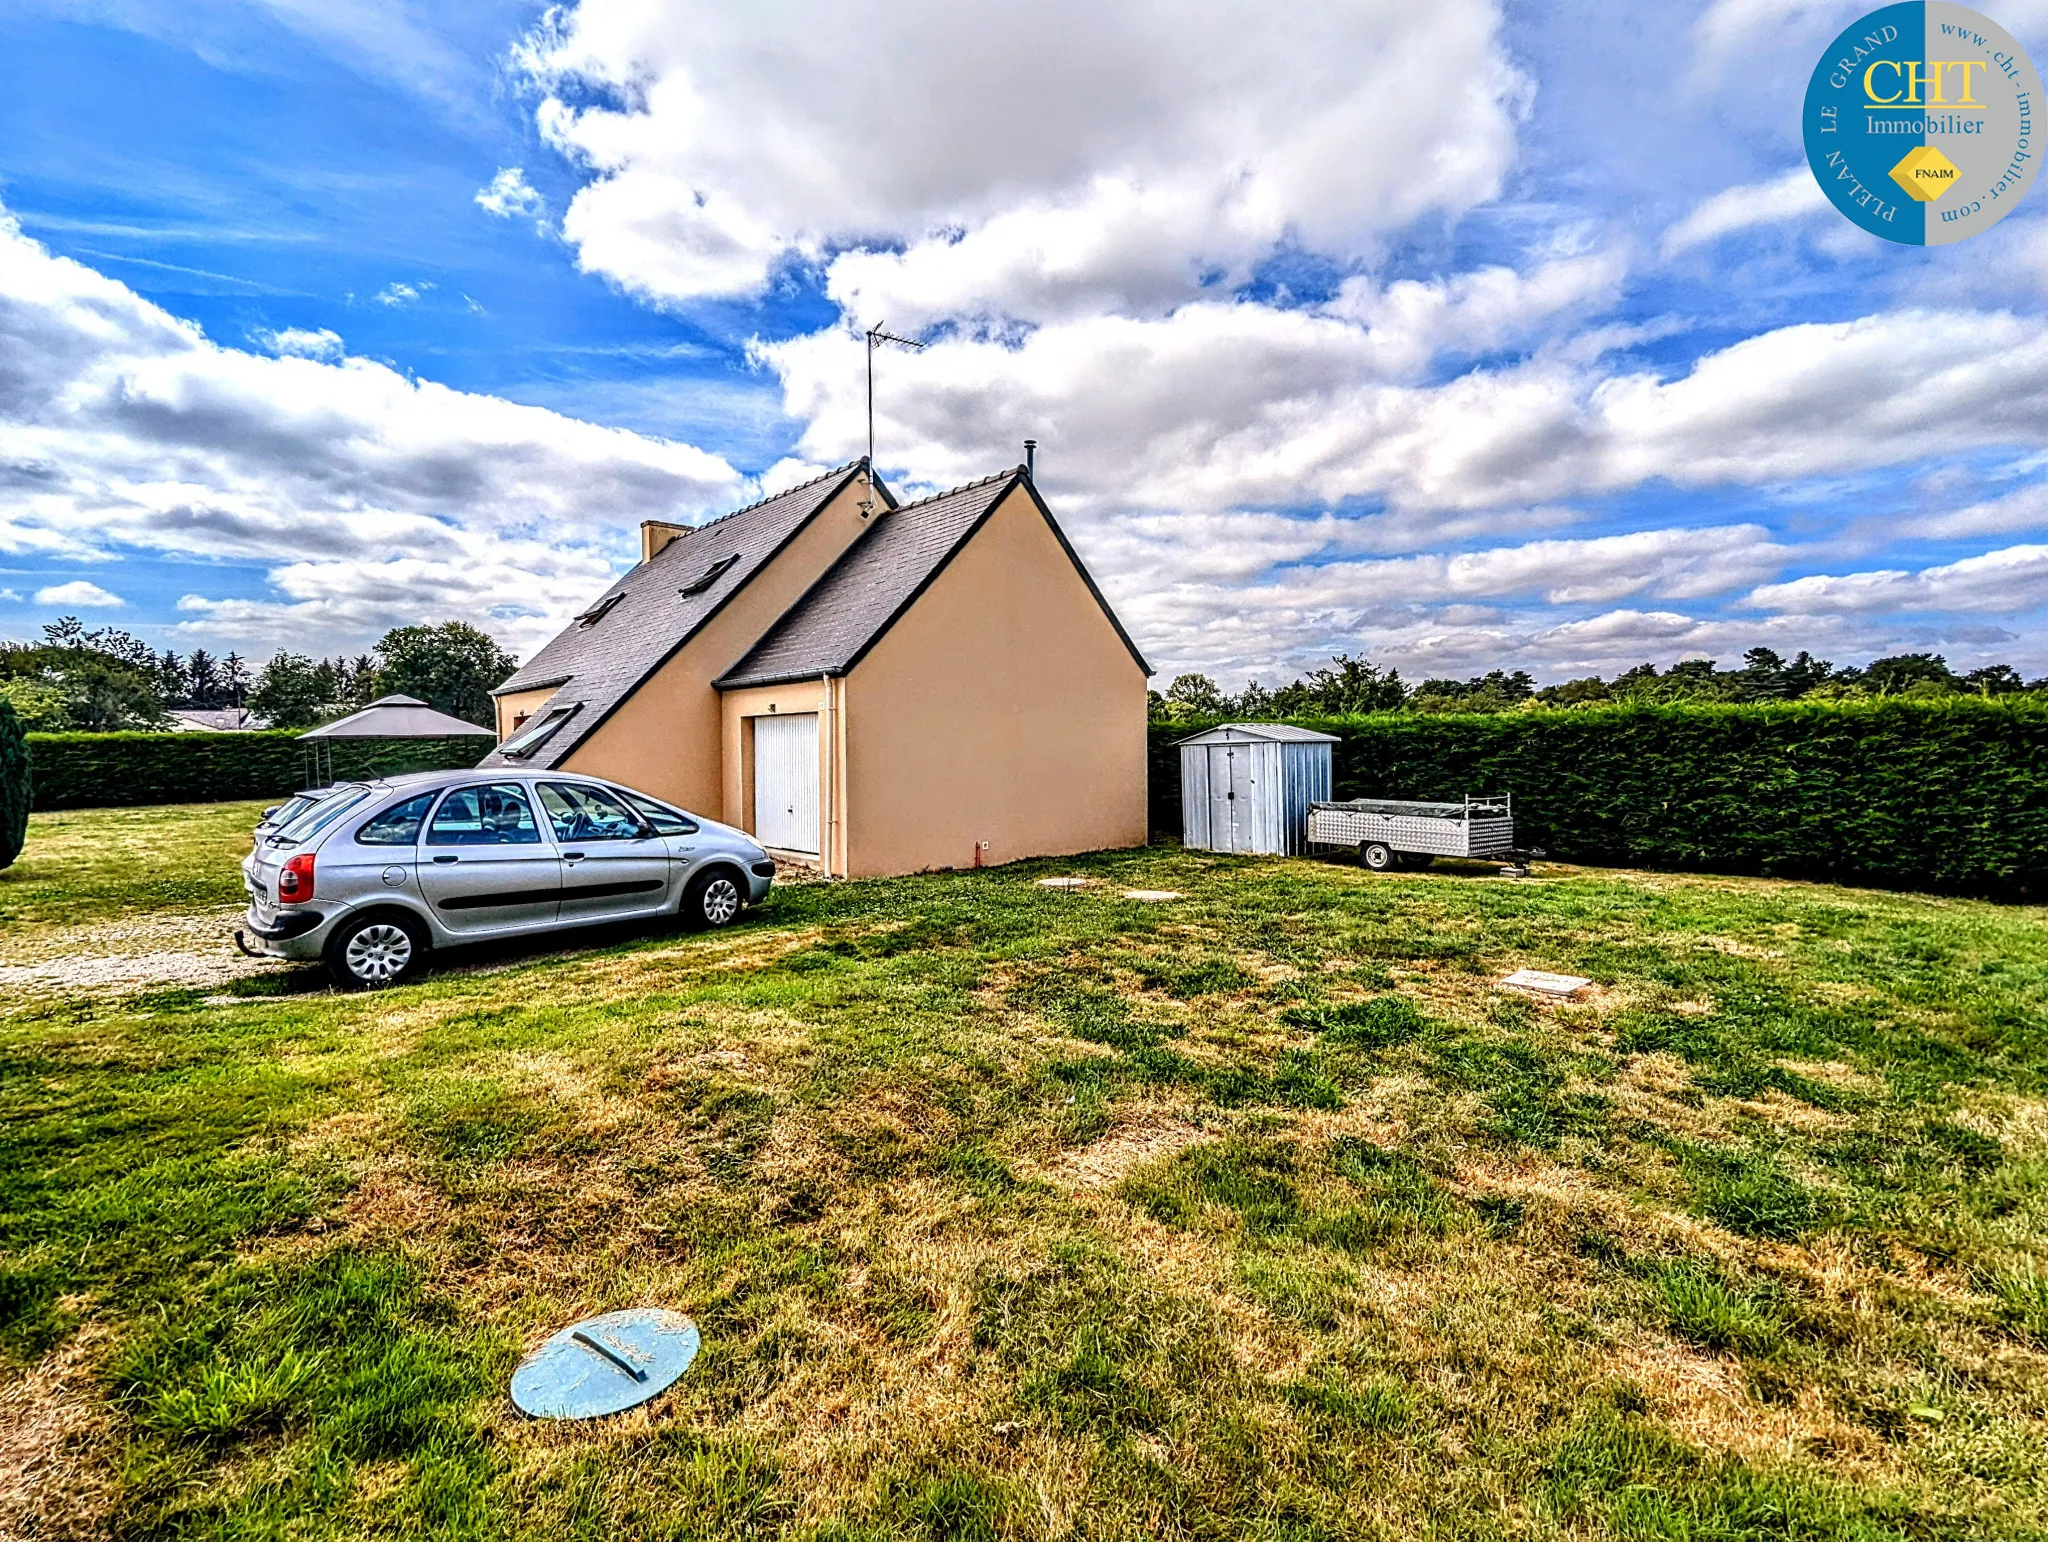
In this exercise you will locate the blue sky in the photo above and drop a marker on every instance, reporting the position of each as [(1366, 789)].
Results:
[(1452, 335)]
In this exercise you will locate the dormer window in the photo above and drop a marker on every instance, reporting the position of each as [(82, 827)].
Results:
[(711, 575), (523, 743), (599, 611)]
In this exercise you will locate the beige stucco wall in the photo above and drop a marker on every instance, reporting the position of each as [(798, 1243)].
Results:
[(667, 737), (511, 707), (827, 699), (1002, 707)]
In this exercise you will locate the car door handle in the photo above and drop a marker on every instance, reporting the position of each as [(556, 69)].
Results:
[(447, 859), (572, 856)]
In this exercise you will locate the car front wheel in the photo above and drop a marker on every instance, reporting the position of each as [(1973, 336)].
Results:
[(713, 899), (375, 951)]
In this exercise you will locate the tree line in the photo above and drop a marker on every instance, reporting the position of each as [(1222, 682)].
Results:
[(1348, 685), (106, 679)]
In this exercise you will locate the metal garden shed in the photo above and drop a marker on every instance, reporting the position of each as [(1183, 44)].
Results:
[(1248, 786)]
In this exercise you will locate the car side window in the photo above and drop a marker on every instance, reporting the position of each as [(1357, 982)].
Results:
[(665, 820), (581, 813), (496, 815), (398, 825)]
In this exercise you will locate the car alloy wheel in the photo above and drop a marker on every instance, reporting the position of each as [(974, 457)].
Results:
[(379, 953), (720, 902)]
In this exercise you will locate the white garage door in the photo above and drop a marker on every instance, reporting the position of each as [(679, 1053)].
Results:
[(786, 782)]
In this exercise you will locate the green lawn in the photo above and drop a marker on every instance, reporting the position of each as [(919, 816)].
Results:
[(1014, 1212), (105, 864)]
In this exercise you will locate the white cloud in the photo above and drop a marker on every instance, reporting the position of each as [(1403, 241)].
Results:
[(1222, 406), (1422, 609), (2006, 581), (1011, 159), (304, 343), (382, 499), (1728, 26), (2026, 509), (9, 596), (395, 293), (1791, 196), (79, 593), (510, 195)]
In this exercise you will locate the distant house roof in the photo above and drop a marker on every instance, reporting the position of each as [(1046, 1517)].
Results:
[(218, 720), (639, 623), (859, 598), (397, 717), (1271, 733)]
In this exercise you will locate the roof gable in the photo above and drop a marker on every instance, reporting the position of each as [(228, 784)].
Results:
[(842, 616), (645, 618)]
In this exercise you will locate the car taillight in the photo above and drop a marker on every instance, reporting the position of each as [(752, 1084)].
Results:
[(295, 883)]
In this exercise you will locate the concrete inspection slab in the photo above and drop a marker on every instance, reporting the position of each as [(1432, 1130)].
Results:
[(1544, 983)]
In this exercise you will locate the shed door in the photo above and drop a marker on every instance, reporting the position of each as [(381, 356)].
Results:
[(786, 782), (1230, 825)]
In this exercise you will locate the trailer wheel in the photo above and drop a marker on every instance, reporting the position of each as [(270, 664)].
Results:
[(1376, 856)]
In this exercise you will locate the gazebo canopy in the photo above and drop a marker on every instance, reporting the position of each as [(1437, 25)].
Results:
[(397, 717)]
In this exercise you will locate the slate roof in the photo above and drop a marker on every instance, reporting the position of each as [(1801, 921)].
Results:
[(846, 612), (644, 617)]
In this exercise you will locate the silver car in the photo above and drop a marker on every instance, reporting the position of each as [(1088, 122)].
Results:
[(374, 875)]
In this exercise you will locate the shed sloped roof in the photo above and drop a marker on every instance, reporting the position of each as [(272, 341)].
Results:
[(397, 717), (641, 620), (1272, 733), (846, 612)]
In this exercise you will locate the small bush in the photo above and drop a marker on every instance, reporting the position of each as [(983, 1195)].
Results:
[(17, 786)]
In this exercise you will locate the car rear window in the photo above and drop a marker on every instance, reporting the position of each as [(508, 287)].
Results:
[(321, 815)]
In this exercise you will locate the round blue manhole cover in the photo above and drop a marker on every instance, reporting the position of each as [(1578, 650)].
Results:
[(605, 1365)]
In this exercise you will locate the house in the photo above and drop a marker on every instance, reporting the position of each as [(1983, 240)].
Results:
[(214, 720), (869, 686)]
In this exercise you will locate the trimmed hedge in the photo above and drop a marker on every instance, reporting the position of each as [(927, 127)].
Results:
[(118, 770), (1944, 795)]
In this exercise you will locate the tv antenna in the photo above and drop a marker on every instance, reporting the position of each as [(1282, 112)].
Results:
[(877, 335)]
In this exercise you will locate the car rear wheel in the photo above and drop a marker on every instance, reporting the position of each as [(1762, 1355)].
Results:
[(1376, 856), (713, 899), (375, 951)]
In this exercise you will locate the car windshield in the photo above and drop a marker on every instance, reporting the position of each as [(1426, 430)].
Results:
[(311, 821), (664, 820)]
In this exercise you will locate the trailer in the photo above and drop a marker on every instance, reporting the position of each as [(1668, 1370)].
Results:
[(1390, 833)]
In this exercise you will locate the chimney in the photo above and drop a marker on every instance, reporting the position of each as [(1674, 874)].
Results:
[(655, 534), (1031, 459)]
